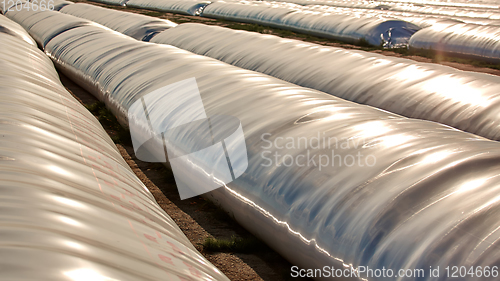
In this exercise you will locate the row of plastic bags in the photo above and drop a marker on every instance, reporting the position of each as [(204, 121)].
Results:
[(468, 101), (447, 29), (329, 182), (370, 27), (464, 100), (446, 9), (456, 29)]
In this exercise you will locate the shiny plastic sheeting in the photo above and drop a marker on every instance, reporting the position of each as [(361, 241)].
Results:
[(417, 19), (386, 4), (372, 28), (386, 11), (449, 11), (465, 100), (59, 4), (137, 26), (429, 21), (9, 27), (430, 198), (72, 209), (53, 23), (187, 7), (468, 40), (112, 2), (405, 16), (483, 4)]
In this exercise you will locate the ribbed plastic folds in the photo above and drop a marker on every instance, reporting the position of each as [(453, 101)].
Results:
[(71, 208), (137, 26), (465, 100), (187, 7), (413, 17), (54, 23), (372, 28), (59, 4), (112, 2), (466, 40), (448, 11), (9, 27), (423, 195), (416, 7), (484, 4)]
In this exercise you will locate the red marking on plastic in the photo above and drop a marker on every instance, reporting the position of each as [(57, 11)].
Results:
[(166, 259), (152, 238)]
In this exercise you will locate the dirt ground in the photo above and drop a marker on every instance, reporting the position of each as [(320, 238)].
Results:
[(196, 217)]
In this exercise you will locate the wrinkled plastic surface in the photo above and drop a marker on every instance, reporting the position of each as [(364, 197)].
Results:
[(412, 17), (187, 7), (430, 199), (465, 100), (373, 28), (387, 4), (9, 27), (72, 209), (487, 4), (112, 2), (468, 40), (383, 10), (54, 23), (416, 7), (448, 11), (217, 146), (59, 4), (137, 26)]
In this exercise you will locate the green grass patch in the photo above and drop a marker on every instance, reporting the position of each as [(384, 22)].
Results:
[(153, 13), (234, 245), (216, 210), (118, 134)]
